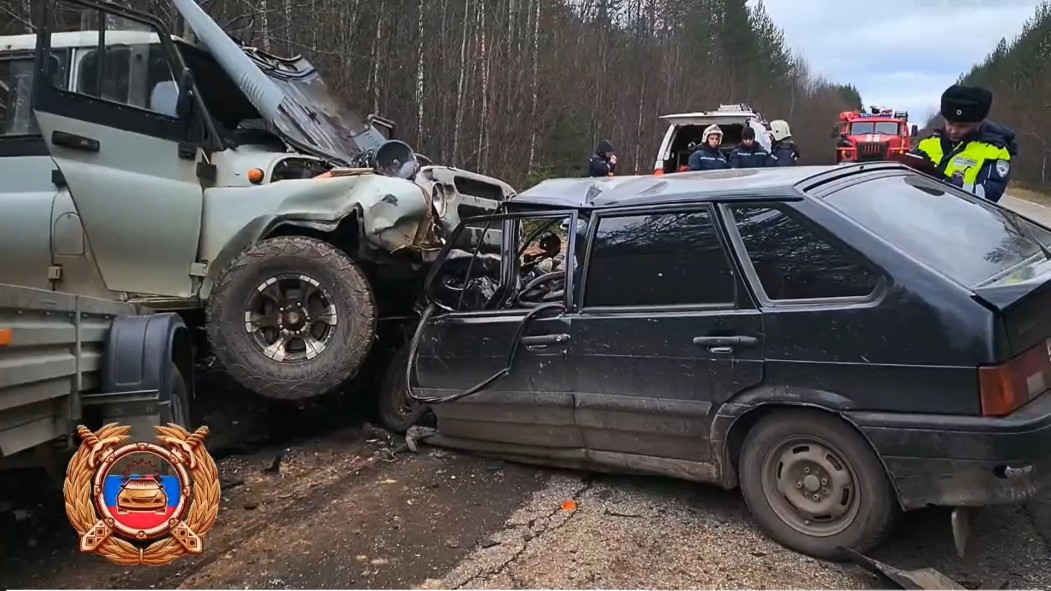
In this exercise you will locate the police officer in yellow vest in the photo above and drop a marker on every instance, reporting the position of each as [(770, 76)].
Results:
[(972, 153)]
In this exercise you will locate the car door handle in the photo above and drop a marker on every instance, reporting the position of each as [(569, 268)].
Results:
[(546, 339), (725, 341), (75, 142)]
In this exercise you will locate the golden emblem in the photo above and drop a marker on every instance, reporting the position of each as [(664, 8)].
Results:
[(138, 502)]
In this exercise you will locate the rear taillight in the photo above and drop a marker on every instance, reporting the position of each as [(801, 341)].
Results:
[(1007, 387), (658, 172)]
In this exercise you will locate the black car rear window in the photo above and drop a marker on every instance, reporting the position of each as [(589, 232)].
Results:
[(967, 239)]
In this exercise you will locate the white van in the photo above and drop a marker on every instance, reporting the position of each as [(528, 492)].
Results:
[(685, 130)]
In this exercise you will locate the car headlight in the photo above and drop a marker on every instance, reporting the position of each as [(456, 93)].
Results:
[(438, 199)]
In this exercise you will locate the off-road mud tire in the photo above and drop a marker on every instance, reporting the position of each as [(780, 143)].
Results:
[(178, 410), (394, 394), (349, 346), (878, 511)]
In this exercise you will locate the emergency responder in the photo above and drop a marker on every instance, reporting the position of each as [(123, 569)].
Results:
[(784, 152), (708, 156), (972, 153), (603, 161), (750, 153)]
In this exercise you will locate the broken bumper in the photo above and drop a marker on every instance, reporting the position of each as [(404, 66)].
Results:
[(956, 461)]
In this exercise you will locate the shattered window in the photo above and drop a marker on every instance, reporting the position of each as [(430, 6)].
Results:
[(666, 259), (542, 258), (469, 277), (793, 263)]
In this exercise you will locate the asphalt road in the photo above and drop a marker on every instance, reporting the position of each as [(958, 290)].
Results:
[(1029, 209), (351, 509)]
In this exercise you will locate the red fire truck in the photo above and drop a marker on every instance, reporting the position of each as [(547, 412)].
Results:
[(877, 135)]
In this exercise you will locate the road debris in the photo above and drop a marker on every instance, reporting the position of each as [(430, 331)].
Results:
[(924, 578)]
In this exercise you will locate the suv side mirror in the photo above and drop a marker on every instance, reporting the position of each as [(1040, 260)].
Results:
[(835, 133), (184, 105)]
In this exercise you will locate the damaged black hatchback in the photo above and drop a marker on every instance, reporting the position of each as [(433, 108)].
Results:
[(842, 343)]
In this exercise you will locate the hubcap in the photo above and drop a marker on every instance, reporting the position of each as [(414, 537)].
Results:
[(810, 487), (291, 318)]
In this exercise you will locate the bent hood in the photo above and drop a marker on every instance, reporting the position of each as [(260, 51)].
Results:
[(288, 93)]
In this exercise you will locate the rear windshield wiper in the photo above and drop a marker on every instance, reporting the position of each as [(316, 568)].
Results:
[(1019, 224)]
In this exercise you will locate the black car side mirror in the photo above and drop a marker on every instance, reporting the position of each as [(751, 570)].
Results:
[(184, 105)]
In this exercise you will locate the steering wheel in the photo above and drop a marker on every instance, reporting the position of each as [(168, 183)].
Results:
[(533, 289)]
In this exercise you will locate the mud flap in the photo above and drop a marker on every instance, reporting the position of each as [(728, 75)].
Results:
[(924, 578), (961, 528)]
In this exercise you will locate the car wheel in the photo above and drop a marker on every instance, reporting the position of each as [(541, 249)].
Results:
[(179, 406), (815, 486), (292, 318), (398, 411)]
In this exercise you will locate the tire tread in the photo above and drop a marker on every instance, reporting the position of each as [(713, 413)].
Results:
[(275, 384)]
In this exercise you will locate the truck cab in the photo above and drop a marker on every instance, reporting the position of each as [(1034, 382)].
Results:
[(877, 135)]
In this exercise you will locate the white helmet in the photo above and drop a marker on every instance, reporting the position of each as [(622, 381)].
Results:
[(711, 130), (779, 129)]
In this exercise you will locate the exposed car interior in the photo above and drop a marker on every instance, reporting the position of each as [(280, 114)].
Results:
[(542, 267)]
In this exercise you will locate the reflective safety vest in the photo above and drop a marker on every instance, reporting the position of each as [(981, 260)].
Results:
[(967, 159)]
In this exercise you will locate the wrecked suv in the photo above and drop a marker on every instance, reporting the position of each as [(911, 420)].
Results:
[(842, 343), (219, 181)]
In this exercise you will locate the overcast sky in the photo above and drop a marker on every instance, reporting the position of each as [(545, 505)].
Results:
[(900, 54)]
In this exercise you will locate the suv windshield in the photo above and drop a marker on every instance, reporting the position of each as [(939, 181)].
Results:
[(16, 89), (963, 237), (867, 127)]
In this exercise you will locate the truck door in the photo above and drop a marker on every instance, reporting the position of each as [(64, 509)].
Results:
[(122, 148), (28, 190)]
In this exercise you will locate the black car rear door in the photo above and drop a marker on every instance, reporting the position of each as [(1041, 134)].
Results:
[(665, 333)]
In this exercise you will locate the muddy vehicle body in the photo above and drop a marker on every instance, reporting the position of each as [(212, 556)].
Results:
[(817, 336), (218, 181), (68, 360)]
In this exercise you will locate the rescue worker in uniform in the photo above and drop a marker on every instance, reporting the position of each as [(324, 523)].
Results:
[(708, 156), (784, 151), (604, 161), (971, 152), (750, 153)]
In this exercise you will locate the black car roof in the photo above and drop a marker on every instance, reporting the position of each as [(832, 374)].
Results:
[(626, 191)]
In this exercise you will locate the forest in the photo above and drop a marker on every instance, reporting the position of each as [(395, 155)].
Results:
[(525, 89), (1018, 72)]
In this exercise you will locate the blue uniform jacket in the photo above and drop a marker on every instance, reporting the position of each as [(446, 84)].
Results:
[(707, 158), (754, 157)]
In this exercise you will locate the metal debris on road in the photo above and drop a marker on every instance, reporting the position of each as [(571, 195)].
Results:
[(924, 578)]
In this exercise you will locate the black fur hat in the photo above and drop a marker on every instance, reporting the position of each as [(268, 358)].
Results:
[(966, 104)]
